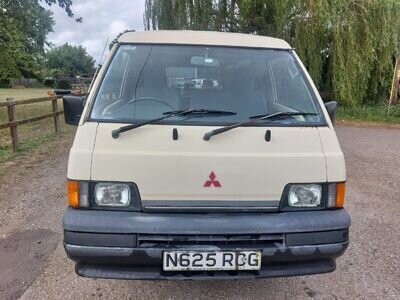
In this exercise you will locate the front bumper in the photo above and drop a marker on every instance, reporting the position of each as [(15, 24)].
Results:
[(129, 245)]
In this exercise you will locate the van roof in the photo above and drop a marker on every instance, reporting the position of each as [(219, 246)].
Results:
[(212, 38)]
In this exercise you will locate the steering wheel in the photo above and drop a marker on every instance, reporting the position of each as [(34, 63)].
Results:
[(152, 99)]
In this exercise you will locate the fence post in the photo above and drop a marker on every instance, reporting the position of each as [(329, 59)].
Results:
[(13, 128), (396, 82), (55, 117)]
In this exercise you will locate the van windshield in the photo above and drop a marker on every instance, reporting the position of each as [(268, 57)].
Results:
[(144, 81)]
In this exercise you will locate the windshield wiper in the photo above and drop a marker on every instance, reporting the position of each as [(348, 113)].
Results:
[(203, 111), (169, 114), (255, 119)]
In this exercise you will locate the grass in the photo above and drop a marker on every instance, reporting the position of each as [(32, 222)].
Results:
[(25, 145), (22, 93), (30, 135), (370, 113)]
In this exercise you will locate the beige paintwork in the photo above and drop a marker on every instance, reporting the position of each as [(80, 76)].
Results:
[(248, 168), (80, 157), (212, 38), (335, 166)]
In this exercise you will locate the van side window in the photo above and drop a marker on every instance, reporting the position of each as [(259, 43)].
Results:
[(290, 87), (112, 88)]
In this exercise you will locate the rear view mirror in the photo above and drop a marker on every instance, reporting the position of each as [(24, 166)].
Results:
[(73, 108), (204, 61), (331, 107)]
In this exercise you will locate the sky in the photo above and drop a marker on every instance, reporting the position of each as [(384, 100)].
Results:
[(101, 19)]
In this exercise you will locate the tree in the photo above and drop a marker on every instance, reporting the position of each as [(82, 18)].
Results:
[(348, 46), (69, 59), (65, 4), (24, 26)]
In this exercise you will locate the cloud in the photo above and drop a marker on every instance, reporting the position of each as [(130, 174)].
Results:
[(102, 19), (117, 27)]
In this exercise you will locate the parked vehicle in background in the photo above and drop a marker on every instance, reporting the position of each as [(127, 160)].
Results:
[(205, 83), (204, 155)]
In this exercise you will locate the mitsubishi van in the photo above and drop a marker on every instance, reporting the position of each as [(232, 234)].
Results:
[(238, 177)]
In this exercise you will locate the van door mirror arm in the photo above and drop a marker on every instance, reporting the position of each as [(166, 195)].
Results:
[(331, 107)]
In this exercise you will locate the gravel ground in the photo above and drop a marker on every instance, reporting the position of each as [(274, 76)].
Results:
[(34, 266)]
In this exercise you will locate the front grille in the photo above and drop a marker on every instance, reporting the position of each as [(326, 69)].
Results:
[(246, 240)]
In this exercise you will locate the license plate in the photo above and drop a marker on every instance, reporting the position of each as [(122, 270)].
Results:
[(211, 260)]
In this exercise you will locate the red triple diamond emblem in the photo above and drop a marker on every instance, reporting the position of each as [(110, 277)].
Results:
[(212, 181)]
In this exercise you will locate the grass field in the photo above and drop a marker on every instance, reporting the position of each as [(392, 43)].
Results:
[(370, 113), (33, 134), (20, 94)]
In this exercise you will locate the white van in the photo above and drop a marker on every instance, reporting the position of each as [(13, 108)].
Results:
[(168, 181)]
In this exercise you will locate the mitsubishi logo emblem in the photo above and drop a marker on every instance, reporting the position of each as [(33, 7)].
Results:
[(212, 181)]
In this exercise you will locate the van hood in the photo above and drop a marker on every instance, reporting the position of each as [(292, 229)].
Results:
[(238, 168)]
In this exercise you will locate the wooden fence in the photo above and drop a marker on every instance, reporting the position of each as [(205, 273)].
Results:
[(13, 123)]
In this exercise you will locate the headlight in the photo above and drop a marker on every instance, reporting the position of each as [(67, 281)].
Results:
[(112, 194), (305, 195)]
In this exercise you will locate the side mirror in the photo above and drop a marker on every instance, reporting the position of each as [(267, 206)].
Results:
[(73, 108), (331, 107)]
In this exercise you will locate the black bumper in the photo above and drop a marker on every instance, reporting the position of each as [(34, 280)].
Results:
[(129, 245)]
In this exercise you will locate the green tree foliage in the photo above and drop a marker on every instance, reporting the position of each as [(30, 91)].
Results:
[(68, 59), (348, 46), (24, 25), (65, 4)]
